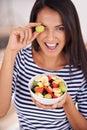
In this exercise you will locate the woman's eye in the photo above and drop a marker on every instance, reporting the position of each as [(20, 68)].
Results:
[(60, 28)]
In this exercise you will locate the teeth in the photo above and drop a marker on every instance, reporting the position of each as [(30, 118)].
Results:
[(51, 44)]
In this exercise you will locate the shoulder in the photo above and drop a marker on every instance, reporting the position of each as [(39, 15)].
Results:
[(25, 51), (75, 73), (23, 55)]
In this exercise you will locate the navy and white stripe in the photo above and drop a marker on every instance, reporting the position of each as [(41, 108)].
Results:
[(30, 116)]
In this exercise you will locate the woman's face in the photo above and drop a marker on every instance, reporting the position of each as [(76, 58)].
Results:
[(52, 40)]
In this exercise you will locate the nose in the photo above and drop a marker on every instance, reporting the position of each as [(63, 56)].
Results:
[(50, 35)]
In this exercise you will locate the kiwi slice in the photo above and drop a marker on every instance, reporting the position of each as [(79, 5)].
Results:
[(62, 87), (47, 96), (39, 28)]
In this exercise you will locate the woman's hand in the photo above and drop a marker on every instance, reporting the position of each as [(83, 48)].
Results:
[(21, 36), (56, 105)]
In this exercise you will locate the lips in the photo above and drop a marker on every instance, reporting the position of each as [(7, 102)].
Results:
[(51, 46)]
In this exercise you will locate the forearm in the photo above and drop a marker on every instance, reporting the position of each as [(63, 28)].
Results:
[(77, 121), (6, 82), (19, 38)]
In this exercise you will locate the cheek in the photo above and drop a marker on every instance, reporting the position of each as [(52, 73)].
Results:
[(40, 37), (63, 38)]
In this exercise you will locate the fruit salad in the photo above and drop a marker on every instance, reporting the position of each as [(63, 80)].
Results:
[(48, 86)]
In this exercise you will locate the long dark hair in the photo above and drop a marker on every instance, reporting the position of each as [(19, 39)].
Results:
[(74, 47)]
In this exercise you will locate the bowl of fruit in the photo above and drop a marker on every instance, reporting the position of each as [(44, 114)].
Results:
[(47, 89)]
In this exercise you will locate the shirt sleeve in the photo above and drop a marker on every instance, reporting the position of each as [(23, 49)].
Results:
[(16, 71), (82, 99)]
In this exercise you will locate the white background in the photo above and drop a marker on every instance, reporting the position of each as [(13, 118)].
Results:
[(20, 11)]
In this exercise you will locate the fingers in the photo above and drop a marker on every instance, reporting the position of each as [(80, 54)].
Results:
[(20, 37), (34, 35), (24, 34), (56, 105), (31, 35), (41, 105), (20, 34), (30, 25)]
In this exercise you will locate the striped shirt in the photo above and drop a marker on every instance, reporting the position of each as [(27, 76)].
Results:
[(30, 116)]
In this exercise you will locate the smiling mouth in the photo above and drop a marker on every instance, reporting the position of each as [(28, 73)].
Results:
[(51, 46)]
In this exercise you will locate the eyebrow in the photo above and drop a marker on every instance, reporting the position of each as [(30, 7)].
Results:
[(59, 25), (55, 26)]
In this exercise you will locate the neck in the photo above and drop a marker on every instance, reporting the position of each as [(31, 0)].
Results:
[(49, 63)]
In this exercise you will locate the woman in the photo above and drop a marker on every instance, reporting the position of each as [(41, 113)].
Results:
[(60, 50)]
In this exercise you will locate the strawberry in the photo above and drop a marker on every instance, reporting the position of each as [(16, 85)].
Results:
[(38, 89), (48, 89), (54, 96), (49, 77), (55, 85)]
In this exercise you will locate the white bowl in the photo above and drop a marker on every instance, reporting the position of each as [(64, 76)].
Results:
[(42, 100)]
